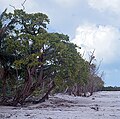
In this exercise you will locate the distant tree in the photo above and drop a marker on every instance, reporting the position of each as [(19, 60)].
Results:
[(91, 81), (94, 81), (110, 88)]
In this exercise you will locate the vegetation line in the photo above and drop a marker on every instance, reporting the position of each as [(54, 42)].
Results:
[(31, 58)]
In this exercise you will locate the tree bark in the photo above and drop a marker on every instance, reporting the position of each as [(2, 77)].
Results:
[(46, 94), (21, 95), (28, 88), (4, 85)]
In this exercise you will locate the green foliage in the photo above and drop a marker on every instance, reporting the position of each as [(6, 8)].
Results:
[(28, 49)]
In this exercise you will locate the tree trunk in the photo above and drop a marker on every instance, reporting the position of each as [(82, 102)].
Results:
[(4, 86), (46, 95), (21, 95), (4, 90), (28, 88)]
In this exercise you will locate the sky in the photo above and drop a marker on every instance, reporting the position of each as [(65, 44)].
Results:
[(94, 25)]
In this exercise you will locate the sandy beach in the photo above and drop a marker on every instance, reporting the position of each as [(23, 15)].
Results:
[(102, 105)]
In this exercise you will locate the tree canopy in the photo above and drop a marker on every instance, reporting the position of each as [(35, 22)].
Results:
[(33, 59)]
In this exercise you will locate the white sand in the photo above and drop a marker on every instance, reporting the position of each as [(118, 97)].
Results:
[(102, 105)]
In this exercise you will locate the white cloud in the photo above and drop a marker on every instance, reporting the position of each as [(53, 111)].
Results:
[(105, 5), (103, 39), (67, 3)]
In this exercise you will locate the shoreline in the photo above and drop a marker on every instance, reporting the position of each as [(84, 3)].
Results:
[(102, 105)]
